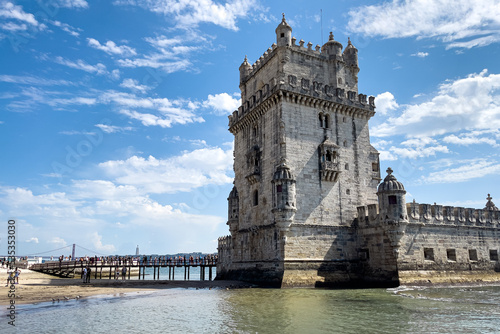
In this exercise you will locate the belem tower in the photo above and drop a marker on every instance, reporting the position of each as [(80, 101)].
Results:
[(308, 208)]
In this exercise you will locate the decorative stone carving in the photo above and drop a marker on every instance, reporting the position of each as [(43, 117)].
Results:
[(329, 90), (449, 214), (340, 93), (414, 210), (304, 83), (292, 80), (317, 86)]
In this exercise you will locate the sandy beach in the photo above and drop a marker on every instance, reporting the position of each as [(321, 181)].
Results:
[(36, 287)]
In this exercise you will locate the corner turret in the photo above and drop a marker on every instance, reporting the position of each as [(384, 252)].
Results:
[(351, 55), (233, 210), (283, 33), (391, 199), (332, 48), (392, 208), (245, 69)]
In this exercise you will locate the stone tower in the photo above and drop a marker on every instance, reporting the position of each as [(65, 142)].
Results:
[(303, 163)]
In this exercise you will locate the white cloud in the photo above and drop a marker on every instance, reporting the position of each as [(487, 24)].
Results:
[(58, 241), (70, 3), (99, 246), (75, 32), (458, 23), (134, 85), (82, 65), (190, 13), (13, 27), (222, 104), (34, 81), (171, 53), (115, 74), (33, 240), (385, 102), (183, 173), (420, 54), (111, 48), (471, 103), (157, 61), (10, 11), (474, 138), (468, 170), (113, 128)]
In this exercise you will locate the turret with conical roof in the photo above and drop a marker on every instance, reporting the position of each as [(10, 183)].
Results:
[(351, 54), (283, 33), (391, 199), (245, 69)]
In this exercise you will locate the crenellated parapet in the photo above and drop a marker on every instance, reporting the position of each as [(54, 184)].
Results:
[(327, 98), (224, 243), (434, 214)]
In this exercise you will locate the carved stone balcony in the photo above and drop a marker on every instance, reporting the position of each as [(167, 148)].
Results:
[(330, 171), (254, 177)]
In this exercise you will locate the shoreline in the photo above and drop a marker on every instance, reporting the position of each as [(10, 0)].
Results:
[(36, 287)]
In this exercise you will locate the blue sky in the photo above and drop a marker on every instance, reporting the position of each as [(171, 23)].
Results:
[(113, 114)]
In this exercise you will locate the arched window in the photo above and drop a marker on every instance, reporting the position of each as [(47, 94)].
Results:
[(327, 121), (256, 197), (320, 116)]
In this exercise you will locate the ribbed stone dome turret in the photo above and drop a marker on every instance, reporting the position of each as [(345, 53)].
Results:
[(390, 183), (283, 172)]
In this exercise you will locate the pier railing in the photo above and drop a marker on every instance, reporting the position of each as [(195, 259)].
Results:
[(113, 268)]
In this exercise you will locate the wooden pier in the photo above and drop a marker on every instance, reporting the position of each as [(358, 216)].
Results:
[(103, 269)]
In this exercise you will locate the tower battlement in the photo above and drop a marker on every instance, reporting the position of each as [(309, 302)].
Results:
[(326, 77)]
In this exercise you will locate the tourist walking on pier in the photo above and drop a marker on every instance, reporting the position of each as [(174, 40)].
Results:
[(10, 276), (16, 275), (124, 272), (88, 274), (84, 275)]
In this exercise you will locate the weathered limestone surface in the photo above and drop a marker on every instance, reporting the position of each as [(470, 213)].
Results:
[(305, 209)]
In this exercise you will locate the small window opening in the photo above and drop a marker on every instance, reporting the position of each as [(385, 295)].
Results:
[(493, 255), (282, 35), (346, 166), (348, 191), (327, 121), (429, 254), (451, 255), (374, 167), (279, 188), (393, 199), (364, 254), (328, 156), (256, 197), (473, 254)]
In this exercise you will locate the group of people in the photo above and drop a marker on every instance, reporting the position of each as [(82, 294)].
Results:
[(123, 273), (86, 274), (13, 276)]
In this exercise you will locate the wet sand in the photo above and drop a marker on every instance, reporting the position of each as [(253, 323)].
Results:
[(36, 287)]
